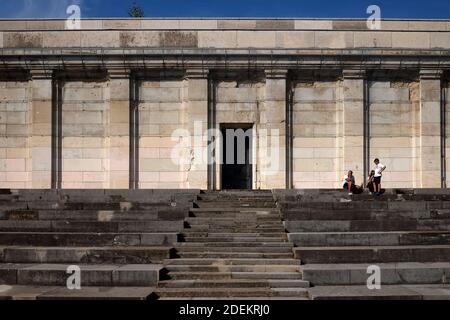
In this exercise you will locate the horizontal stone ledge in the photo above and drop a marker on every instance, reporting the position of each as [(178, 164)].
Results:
[(223, 24), (223, 39)]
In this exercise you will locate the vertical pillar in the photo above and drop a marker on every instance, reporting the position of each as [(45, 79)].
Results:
[(56, 132), (41, 130), (353, 123), (119, 129), (430, 129), (273, 122), (133, 119), (197, 99)]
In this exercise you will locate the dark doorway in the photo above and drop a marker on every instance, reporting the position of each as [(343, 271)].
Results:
[(237, 156)]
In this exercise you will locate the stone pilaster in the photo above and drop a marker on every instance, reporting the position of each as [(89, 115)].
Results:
[(119, 128), (430, 129), (40, 134), (196, 98), (271, 142), (353, 123)]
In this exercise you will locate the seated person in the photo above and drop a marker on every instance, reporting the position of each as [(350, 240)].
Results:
[(349, 182), (370, 181)]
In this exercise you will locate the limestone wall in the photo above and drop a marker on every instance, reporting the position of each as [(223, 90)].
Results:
[(15, 140), (85, 135), (239, 39), (317, 147), (394, 130), (161, 112)]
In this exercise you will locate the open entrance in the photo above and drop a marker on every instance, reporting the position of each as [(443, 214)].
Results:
[(236, 169)]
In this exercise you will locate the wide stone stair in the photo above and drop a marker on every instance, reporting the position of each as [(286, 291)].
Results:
[(118, 238), (406, 233), (233, 246)]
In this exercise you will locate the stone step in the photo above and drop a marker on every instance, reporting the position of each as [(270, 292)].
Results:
[(234, 204), (233, 268), (234, 283), (390, 238), (367, 206), (349, 214), (90, 226), (391, 273), (85, 239), (31, 292), (187, 234), (236, 239), (235, 249), (238, 220), (289, 276), (367, 225), (223, 262), (243, 198), (302, 298), (95, 255), (231, 292), (387, 292), (94, 215), (234, 244), (373, 254), (91, 204), (236, 212), (235, 255), (213, 292), (91, 274), (219, 229)]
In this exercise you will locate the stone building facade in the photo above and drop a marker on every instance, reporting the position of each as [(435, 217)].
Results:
[(105, 106)]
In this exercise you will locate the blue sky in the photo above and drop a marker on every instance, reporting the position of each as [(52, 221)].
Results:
[(407, 9)]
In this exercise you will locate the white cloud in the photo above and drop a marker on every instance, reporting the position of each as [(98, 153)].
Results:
[(44, 8)]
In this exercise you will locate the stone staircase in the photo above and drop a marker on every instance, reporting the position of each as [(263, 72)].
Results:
[(233, 246), (187, 244), (118, 238), (404, 232)]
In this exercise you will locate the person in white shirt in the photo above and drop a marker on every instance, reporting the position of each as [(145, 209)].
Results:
[(379, 168), (349, 182)]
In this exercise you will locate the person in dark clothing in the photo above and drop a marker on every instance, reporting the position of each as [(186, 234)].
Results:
[(370, 181)]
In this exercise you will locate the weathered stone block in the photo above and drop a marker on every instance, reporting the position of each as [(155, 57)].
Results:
[(121, 24), (419, 40), (295, 39), (82, 165), (178, 39), (236, 24), (349, 25), (333, 39), (160, 24), (373, 39), (313, 24), (22, 40), (256, 39), (275, 24), (131, 39), (198, 24), (105, 39), (57, 39)]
